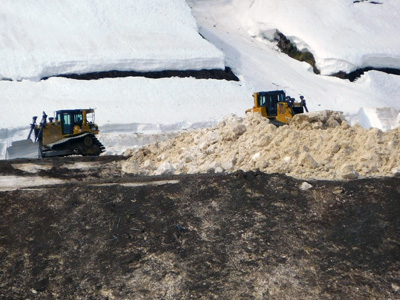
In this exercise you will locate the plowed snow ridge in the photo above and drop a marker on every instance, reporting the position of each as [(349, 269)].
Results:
[(319, 145)]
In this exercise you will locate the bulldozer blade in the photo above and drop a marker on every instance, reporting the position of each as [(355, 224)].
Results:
[(23, 149)]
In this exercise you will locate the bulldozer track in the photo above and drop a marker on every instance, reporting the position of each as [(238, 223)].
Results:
[(85, 144)]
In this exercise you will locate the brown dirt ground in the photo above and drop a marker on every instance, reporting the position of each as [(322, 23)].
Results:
[(106, 235)]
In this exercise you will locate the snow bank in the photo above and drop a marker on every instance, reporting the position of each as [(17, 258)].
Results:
[(384, 118), (44, 38), (124, 106), (261, 67), (315, 145), (342, 35), (125, 100)]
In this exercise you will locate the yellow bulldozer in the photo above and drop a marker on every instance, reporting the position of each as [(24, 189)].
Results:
[(71, 132), (277, 107)]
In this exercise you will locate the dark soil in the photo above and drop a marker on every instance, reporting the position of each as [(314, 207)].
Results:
[(211, 236), (225, 74), (353, 76)]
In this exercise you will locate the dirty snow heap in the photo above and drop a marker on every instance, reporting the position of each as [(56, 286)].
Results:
[(319, 145)]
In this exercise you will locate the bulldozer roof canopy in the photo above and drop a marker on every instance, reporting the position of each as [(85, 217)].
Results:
[(278, 92), (88, 110)]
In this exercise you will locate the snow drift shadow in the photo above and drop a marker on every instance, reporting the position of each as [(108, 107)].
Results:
[(289, 48), (353, 76), (225, 74)]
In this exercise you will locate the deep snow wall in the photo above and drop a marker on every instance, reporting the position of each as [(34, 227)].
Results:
[(335, 39), (42, 39)]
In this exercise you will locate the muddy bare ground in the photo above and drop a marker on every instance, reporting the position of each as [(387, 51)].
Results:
[(98, 234)]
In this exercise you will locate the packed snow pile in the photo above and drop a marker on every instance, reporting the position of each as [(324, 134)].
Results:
[(315, 145)]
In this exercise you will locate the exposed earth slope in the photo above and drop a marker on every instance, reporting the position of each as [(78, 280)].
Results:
[(89, 231)]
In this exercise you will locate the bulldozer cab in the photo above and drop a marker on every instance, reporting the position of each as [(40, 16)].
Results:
[(270, 101), (74, 121)]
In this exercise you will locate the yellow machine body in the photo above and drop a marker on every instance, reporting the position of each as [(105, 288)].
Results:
[(275, 106), (69, 133), (68, 123)]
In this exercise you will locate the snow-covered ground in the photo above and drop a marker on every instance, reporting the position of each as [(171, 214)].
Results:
[(343, 35), (42, 39), (263, 67)]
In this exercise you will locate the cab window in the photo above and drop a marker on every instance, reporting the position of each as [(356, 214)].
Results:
[(67, 124), (78, 119), (262, 100)]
